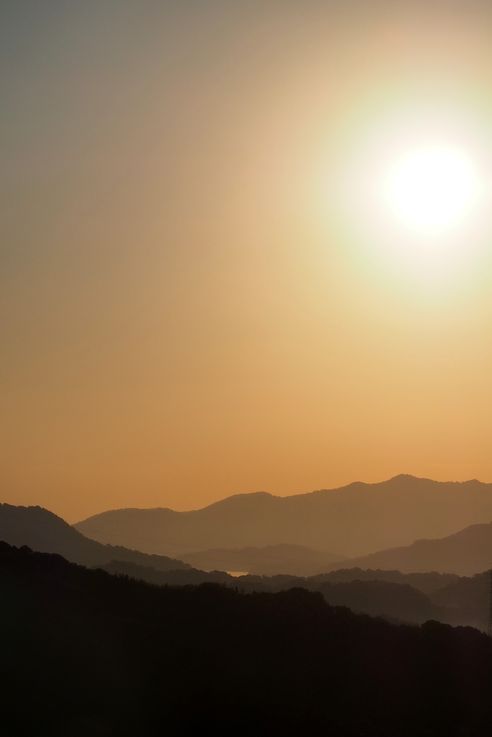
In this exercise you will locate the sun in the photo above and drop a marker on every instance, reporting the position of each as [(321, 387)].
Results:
[(431, 190), (409, 194)]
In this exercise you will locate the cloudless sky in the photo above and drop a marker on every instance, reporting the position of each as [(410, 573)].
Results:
[(184, 312)]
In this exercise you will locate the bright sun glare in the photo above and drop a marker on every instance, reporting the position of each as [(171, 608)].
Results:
[(413, 193), (431, 190)]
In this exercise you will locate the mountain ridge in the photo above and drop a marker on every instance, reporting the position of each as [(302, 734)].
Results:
[(393, 595), (465, 552), (44, 531), (354, 520)]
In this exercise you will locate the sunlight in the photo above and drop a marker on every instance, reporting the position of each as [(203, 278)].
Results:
[(431, 190), (413, 194)]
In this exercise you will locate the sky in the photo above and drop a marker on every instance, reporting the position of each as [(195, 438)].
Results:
[(195, 298)]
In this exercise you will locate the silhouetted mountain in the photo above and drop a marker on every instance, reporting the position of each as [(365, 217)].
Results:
[(466, 552), (396, 596), (393, 601), (380, 598), (297, 560), (86, 653), (465, 601), (428, 583), (411, 597), (180, 577), (354, 520), (388, 594), (44, 531)]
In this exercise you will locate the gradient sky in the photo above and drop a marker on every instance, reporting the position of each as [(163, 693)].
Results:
[(185, 310)]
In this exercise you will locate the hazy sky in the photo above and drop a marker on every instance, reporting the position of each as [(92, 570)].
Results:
[(186, 309)]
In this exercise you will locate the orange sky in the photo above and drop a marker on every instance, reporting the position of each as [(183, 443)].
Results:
[(186, 311)]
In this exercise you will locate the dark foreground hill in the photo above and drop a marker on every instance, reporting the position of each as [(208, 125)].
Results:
[(466, 552), (43, 531), (352, 521), (394, 601), (410, 597), (86, 653)]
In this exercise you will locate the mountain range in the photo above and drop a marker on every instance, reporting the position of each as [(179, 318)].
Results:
[(395, 595), (43, 531), (354, 520)]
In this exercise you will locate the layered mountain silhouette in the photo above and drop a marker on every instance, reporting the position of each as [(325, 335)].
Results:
[(375, 595), (87, 653), (407, 597), (297, 560), (465, 601), (396, 596), (466, 552), (351, 521), (428, 582), (176, 577), (43, 531)]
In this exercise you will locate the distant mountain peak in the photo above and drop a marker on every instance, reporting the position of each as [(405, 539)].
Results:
[(407, 477)]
